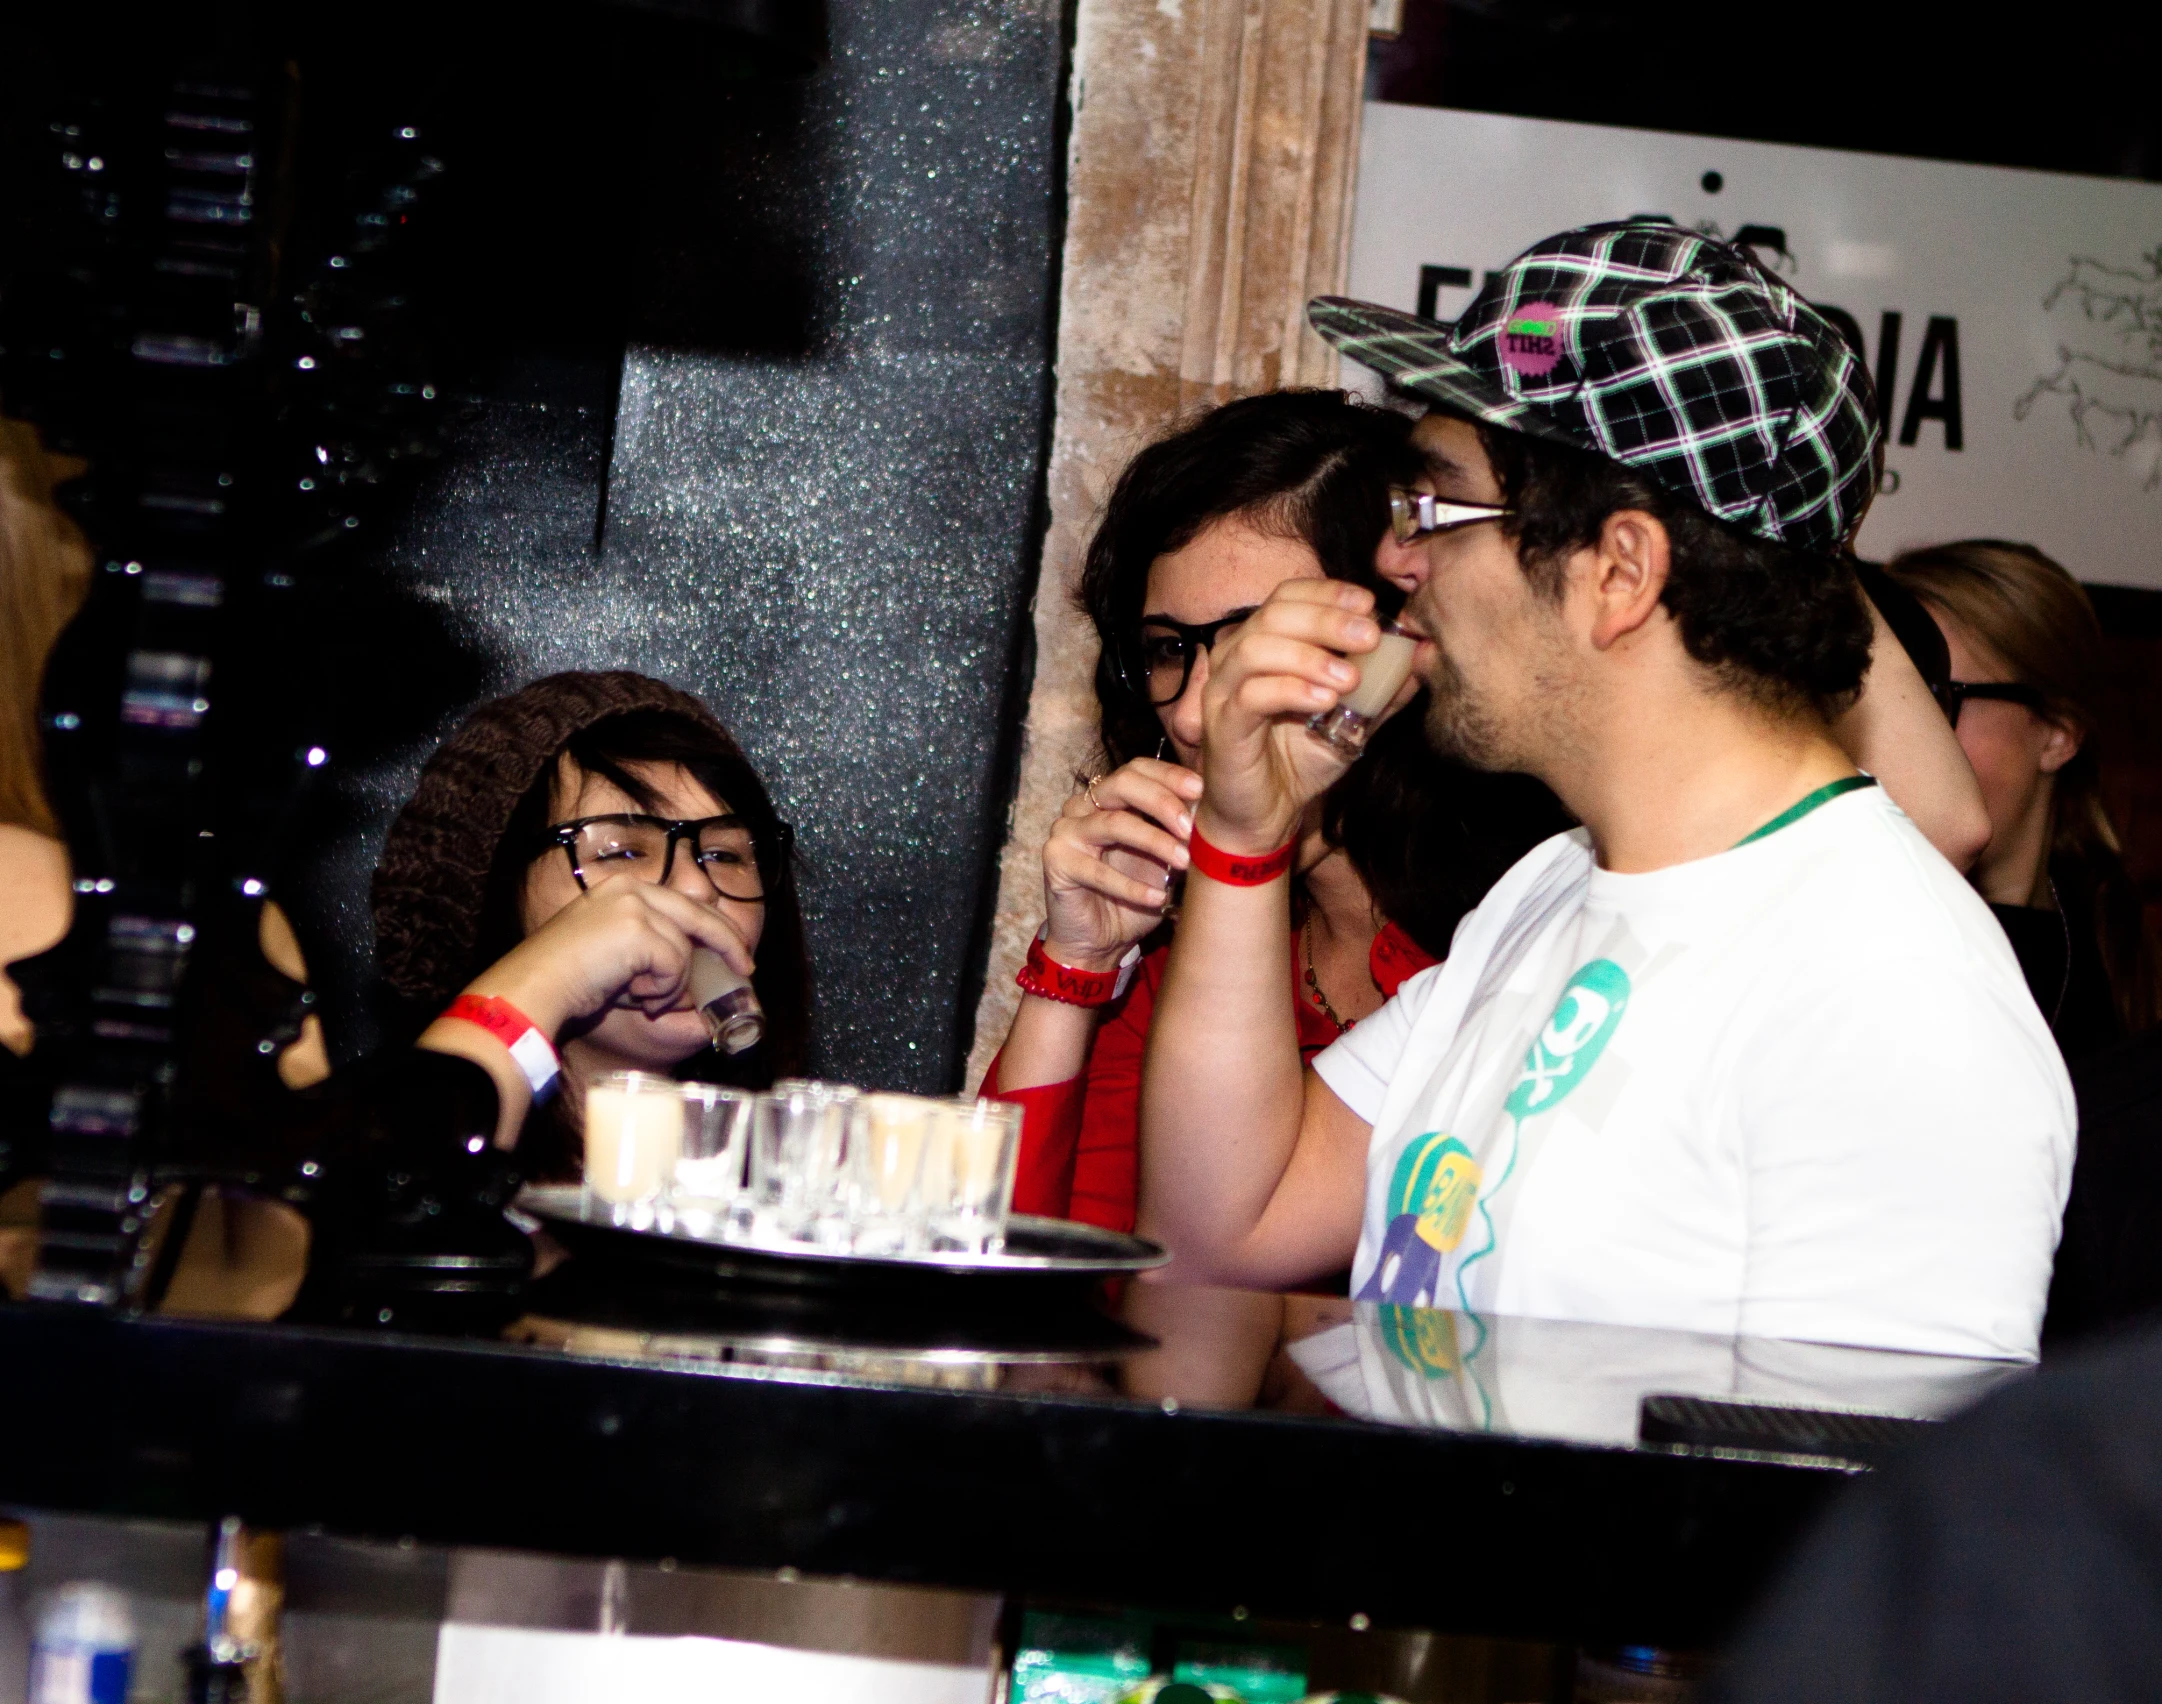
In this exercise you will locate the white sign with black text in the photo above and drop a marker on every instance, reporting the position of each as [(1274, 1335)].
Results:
[(2012, 320)]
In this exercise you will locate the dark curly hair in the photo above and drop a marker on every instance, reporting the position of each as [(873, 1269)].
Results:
[(1782, 626), (1427, 836)]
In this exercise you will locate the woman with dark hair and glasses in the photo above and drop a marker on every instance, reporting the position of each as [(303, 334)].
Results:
[(537, 901), (2027, 673), (1200, 528)]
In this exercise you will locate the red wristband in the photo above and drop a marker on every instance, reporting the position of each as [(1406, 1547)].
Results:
[(1043, 975), (1239, 869), (533, 1053)]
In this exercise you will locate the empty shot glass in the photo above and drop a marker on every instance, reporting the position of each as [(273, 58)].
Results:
[(968, 1175), (716, 1142), (1382, 672), (886, 1155), (799, 1158), (633, 1138)]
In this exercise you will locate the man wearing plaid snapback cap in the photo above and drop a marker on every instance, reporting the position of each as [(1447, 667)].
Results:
[(1741, 1055)]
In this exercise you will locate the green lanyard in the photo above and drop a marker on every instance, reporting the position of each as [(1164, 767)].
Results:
[(1794, 813)]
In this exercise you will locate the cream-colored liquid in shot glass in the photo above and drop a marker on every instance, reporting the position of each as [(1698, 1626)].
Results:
[(973, 1193), (977, 1150), (1382, 673), (895, 1128), (634, 1137)]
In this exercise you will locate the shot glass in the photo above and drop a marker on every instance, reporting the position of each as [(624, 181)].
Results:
[(634, 1136), (968, 1175), (728, 1002), (1382, 672), (716, 1140), (1146, 869), (886, 1153), (799, 1164)]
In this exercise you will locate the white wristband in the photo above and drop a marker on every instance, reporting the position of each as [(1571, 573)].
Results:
[(538, 1061), (530, 1051)]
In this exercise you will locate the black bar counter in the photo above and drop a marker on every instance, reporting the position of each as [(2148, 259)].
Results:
[(1180, 1448)]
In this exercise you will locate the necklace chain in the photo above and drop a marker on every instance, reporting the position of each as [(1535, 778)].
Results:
[(1313, 982), (2064, 986)]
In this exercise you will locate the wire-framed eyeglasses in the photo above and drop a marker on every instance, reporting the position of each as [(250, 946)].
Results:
[(1414, 515), (1158, 661), (738, 864), (1954, 695)]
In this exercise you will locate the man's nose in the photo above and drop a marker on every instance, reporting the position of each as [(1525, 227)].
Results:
[(1402, 565)]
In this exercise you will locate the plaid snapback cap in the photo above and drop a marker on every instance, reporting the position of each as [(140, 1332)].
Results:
[(1664, 350)]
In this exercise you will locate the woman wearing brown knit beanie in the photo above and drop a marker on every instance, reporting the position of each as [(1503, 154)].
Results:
[(491, 899)]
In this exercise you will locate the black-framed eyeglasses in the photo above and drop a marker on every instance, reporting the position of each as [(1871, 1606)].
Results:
[(1158, 661), (1414, 515), (739, 864), (1954, 695)]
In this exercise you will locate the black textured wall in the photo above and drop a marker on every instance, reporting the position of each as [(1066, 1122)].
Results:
[(747, 382)]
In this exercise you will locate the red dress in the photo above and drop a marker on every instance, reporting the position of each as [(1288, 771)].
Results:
[(1080, 1150)]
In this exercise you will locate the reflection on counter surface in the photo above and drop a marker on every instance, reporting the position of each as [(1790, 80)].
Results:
[(1543, 1378), (1024, 1437), (1190, 1346)]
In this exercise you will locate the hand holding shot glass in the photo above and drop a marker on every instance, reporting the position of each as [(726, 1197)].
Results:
[(1162, 661), (733, 865), (1382, 672)]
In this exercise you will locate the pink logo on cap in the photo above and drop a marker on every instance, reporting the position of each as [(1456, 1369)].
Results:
[(1531, 339)]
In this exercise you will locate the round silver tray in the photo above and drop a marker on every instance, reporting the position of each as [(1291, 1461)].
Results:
[(1035, 1248)]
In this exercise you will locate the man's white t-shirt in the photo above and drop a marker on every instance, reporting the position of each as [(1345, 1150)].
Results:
[(1797, 1089)]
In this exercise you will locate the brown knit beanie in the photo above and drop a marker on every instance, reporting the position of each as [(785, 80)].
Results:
[(433, 874)]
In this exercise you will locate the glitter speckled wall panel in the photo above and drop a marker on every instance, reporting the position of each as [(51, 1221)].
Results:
[(829, 552), (822, 480)]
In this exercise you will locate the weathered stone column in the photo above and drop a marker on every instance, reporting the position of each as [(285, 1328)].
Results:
[(1209, 195)]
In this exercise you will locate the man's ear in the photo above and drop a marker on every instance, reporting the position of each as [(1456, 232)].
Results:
[(1628, 573)]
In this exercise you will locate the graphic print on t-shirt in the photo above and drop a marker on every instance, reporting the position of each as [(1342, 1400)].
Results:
[(1438, 1186), (1568, 1047), (1431, 1199)]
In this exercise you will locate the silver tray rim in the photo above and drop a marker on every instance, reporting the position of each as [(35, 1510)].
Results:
[(559, 1203)]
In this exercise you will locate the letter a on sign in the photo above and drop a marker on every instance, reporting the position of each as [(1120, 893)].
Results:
[(1940, 343)]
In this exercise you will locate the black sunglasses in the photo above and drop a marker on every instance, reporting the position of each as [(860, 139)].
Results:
[(1158, 662), (1953, 695)]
